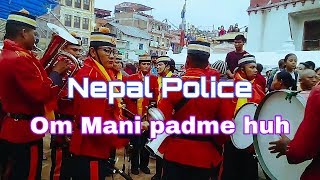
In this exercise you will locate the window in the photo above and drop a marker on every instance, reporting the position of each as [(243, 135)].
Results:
[(86, 4), (85, 40), (68, 2), (77, 3), (67, 20), (76, 23), (311, 40), (140, 46), (85, 23)]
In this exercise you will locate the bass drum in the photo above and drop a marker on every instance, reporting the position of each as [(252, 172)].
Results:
[(239, 139), (291, 106)]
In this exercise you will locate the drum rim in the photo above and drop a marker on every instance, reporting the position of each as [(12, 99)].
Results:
[(251, 103), (157, 112), (255, 138)]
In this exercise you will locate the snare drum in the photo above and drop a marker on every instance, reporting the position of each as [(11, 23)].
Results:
[(292, 110), (239, 139)]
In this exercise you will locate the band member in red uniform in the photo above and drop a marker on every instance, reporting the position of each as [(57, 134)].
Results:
[(304, 146), (118, 76), (192, 157), (118, 68), (91, 152), (25, 91), (165, 68), (241, 163), (140, 155), (60, 154)]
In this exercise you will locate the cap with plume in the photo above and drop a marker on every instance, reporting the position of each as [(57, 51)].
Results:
[(103, 38)]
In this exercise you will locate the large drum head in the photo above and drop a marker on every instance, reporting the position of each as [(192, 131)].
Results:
[(156, 114), (240, 140), (275, 103)]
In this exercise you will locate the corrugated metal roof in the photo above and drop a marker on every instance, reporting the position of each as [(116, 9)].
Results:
[(132, 31), (35, 7)]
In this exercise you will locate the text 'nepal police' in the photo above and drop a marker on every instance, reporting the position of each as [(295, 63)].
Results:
[(135, 89)]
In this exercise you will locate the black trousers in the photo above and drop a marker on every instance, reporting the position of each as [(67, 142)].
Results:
[(60, 154), (140, 155), (176, 171), (61, 163), (159, 166), (21, 161), (86, 168), (238, 164)]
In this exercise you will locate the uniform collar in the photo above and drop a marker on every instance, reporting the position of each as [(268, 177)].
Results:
[(14, 46), (194, 73)]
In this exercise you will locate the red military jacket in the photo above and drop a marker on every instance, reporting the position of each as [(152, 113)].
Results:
[(168, 75), (200, 154), (65, 105), (258, 93), (212, 72), (305, 144), (24, 89), (138, 106), (97, 146)]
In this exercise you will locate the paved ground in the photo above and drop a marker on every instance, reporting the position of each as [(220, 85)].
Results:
[(119, 164)]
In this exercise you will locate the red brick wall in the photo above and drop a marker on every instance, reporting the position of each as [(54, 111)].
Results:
[(253, 3), (261, 3)]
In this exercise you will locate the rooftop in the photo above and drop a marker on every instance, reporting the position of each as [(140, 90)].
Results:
[(131, 7), (229, 36), (267, 4), (131, 31), (101, 13)]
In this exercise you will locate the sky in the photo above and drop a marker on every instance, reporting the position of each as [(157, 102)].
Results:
[(203, 14)]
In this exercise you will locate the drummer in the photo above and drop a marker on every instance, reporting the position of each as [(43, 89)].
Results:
[(241, 163), (304, 145)]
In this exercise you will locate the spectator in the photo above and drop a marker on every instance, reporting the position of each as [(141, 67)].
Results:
[(234, 56), (290, 65), (230, 29), (236, 28), (283, 80), (260, 79), (222, 31), (220, 66)]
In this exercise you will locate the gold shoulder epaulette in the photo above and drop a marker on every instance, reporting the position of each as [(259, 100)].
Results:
[(23, 54)]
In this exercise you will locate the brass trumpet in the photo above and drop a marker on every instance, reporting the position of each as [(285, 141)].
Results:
[(59, 39)]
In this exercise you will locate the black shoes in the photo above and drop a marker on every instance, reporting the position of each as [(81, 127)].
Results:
[(156, 177), (145, 170), (135, 171)]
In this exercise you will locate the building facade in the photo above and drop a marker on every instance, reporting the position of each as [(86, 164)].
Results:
[(102, 17), (160, 41), (78, 16), (275, 24), (132, 14), (74, 15), (131, 42)]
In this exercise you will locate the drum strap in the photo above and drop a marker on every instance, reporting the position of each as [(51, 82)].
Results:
[(182, 102), (176, 108)]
